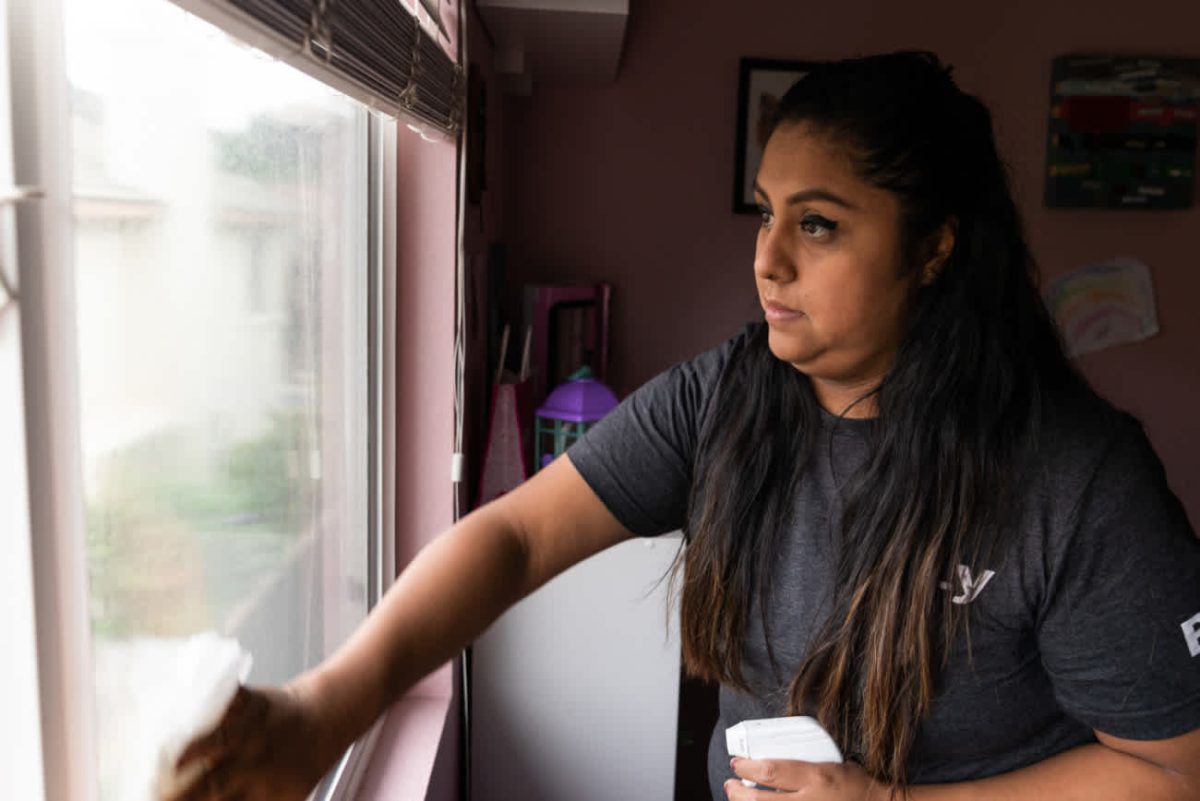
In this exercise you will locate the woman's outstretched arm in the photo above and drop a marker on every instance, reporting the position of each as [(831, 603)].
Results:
[(277, 743)]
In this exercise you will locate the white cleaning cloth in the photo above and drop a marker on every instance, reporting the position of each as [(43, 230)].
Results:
[(154, 696)]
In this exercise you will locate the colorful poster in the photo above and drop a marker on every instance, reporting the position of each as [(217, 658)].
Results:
[(1122, 132), (1104, 304)]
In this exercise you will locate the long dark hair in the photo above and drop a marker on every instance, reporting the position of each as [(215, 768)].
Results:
[(957, 414)]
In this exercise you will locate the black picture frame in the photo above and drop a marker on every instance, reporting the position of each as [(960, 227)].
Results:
[(759, 79)]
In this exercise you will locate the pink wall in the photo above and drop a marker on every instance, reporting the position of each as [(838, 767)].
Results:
[(631, 182), (426, 253)]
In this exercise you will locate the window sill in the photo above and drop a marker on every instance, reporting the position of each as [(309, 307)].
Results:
[(404, 755)]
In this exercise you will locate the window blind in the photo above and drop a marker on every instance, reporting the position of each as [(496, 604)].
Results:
[(376, 47)]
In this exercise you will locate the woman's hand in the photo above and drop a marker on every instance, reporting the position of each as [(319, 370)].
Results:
[(811, 781), (267, 746)]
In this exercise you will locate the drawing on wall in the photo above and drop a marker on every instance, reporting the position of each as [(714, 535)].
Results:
[(1102, 305), (761, 85), (1122, 132)]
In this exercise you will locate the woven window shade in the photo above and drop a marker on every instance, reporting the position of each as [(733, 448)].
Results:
[(376, 46)]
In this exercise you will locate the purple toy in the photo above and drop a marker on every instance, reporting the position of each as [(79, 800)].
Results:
[(569, 411)]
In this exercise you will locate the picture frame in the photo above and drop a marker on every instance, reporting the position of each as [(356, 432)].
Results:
[(762, 82)]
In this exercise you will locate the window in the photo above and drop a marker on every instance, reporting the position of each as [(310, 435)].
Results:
[(225, 215), (204, 340)]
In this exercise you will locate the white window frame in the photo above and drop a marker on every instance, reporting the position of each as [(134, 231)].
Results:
[(41, 128), (344, 781), (20, 738), (50, 467)]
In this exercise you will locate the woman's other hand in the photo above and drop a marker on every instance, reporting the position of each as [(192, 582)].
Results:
[(811, 781), (267, 746)]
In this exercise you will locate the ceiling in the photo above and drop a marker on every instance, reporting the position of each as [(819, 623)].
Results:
[(555, 42)]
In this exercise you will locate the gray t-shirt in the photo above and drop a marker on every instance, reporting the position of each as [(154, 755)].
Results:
[(1091, 622)]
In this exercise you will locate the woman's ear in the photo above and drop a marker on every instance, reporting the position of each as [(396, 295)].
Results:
[(943, 246)]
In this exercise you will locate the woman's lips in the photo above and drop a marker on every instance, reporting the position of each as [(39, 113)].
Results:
[(776, 313)]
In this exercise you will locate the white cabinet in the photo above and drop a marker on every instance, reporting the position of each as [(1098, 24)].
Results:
[(576, 689)]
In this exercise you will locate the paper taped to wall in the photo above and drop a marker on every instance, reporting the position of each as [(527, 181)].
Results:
[(1105, 304)]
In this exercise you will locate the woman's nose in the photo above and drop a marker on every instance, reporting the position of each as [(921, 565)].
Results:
[(773, 258)]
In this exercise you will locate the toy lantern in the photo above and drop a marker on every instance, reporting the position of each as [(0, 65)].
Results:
[(569, 411)]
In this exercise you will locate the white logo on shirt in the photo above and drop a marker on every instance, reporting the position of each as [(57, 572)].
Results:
[(971, 587), (1191, 633)]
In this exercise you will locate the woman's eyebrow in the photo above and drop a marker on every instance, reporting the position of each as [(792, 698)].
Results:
[(811, 194)]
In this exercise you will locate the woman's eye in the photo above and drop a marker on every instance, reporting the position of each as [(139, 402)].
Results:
[(816, 226), (765, 214)]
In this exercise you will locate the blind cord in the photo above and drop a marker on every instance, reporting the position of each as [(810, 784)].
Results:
[(460, 367)]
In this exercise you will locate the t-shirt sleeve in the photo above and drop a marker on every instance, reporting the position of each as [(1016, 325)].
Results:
[(639, 458), (1119, 631)]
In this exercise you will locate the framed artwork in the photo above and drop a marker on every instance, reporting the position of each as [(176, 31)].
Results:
[(761, 84), (1122, 132)]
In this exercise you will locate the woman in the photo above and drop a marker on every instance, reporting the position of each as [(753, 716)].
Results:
[(907, 515)]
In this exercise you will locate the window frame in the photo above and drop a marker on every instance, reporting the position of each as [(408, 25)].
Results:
[(40, 131), (345, 780), (21, 774)]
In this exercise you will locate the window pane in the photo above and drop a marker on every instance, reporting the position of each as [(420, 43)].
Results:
[(221, 206)]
